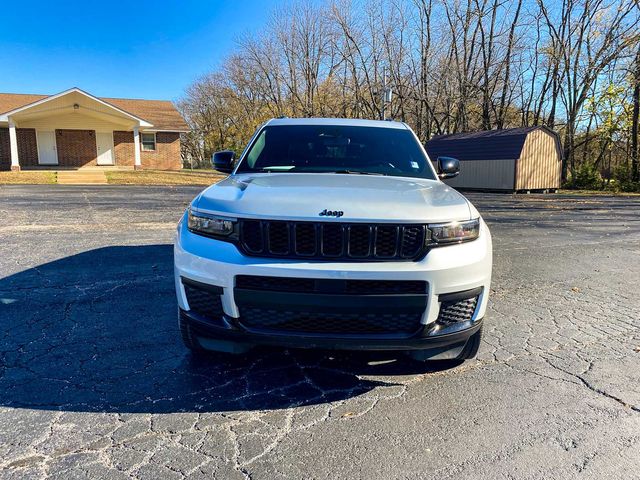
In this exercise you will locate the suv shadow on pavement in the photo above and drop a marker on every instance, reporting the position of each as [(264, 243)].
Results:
[(97, 332)]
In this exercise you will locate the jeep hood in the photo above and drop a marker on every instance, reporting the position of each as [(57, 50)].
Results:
[(362, 198)]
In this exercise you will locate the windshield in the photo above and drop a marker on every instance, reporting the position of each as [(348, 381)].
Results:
[(337, 149)]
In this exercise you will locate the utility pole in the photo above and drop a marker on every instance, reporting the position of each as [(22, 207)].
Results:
[(385, 95)]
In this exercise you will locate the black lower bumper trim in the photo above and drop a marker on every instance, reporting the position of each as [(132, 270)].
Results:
[(235, 333)]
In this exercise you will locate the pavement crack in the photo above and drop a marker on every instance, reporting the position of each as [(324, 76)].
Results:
[(590, 386)]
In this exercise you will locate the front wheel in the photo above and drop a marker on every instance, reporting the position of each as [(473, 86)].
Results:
[(188, 338), (470, 350), (205, 346)]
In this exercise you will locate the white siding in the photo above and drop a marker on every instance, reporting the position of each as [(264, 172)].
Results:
[(73, 121), (485, 174), (75, 103)]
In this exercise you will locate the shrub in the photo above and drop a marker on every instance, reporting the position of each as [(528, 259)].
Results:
[(586, 177), (623, 182)]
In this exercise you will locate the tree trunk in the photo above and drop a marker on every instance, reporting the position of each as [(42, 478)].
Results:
[(635, 148), (567, 159)]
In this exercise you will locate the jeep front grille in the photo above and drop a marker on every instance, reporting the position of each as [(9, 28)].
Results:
[(332, 241)]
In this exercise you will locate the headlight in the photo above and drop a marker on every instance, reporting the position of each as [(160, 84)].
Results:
[(454, 232), (209, 225)]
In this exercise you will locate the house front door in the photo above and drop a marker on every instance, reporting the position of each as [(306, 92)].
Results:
[(47, 154), (104, 144)]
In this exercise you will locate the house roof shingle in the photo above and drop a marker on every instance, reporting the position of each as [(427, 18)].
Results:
[(161, 113), (11, 101), (503, 144)]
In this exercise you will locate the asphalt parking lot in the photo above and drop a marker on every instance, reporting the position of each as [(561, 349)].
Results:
[(95, 383)]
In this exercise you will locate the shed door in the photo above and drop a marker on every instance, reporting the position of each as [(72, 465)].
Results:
[(47, 154), (104, 144)]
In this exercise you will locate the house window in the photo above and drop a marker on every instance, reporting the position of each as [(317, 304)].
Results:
[(148, 141)]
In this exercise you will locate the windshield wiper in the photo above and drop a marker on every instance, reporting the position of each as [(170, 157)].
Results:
[(292, 168), (356, 172), (278, 168)]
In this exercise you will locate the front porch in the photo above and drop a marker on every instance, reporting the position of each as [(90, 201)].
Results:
[(71, 130), (86, 168), (84, 175)]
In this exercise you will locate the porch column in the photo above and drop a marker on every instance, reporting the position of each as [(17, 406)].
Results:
[(13, 144), (137, 164)]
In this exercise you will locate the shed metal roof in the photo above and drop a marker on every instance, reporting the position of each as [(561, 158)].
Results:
[(503, 144)]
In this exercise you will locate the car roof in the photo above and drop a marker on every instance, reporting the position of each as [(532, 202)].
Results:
[(350, 122)]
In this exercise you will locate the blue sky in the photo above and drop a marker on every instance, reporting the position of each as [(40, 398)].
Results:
[(136, 49)]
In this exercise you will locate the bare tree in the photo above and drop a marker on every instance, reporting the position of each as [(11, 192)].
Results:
[(590, 36), (453, 65)]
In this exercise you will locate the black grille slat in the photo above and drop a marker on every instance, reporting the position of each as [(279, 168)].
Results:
[(412, 241), (359, 241), (276, 284), (252, 238), (348, 287), (306, 239), (332, 241), (386, 242), (457, 311), (278, 238), (385, 287)]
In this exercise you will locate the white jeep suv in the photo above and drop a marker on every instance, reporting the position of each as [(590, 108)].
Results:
[(337, 234)]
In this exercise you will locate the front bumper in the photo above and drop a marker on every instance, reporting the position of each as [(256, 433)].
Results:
[(447, 270), (214, 334)]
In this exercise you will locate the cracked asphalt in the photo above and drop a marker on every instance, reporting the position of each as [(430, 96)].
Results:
[(95, 383)]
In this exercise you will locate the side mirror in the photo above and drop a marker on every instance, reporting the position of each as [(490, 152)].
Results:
[(448, 167), (223, 161)]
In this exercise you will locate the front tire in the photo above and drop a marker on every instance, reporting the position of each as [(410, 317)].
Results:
[(188, 338), (223, 348), (470, 350)]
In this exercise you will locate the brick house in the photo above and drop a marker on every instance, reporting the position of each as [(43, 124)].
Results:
[(74, 129)]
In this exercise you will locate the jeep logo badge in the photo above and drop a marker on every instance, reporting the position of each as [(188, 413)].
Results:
[(331, 213)]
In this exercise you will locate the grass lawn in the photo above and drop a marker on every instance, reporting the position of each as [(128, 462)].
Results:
[(163, 177), (598, 192), (27, 177)]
